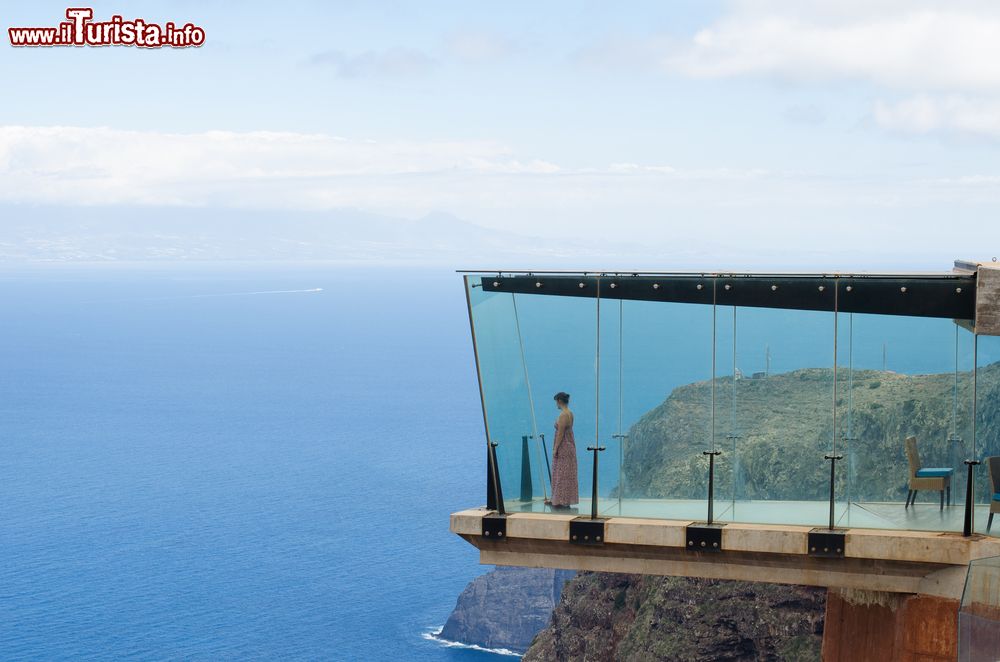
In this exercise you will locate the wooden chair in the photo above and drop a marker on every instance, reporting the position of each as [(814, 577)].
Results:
[(994, 466), (926, 478)]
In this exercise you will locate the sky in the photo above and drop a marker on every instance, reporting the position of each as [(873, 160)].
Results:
[(835, 129)]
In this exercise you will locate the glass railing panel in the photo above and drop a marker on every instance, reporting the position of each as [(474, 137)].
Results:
[(611, 415), (909, 398), (558, 337), (962, 437), (987, 436), (782, 381), (659, 419), (845, 431), (505, 393), (979, 614), (724, 423)]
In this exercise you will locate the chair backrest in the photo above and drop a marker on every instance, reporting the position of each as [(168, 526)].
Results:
[(994, 464), (912, 455)]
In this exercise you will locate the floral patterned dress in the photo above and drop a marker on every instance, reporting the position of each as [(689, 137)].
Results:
[(565, 490)]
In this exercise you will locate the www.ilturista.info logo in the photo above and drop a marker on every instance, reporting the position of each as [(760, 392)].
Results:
[(82, 30)]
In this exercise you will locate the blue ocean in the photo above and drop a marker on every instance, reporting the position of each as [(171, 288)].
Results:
[(230, 463), (226, 462)]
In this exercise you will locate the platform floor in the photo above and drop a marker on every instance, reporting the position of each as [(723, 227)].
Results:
[(922, 516)]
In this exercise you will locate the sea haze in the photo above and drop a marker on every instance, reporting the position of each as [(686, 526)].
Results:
[(205, 463)]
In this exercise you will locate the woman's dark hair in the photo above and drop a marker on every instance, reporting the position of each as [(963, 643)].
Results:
[(562, 397)]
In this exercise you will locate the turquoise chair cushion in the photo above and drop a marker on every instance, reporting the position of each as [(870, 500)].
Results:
[(996, 497), (934, 472)]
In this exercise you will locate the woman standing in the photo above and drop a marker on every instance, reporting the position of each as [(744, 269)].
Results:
[(565, 491)]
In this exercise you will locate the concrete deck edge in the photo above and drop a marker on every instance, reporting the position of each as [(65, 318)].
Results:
[(880, 544)]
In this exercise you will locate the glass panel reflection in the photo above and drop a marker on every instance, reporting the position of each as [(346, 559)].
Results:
[(665, 408), (987, 434), (505, 391), (909, 414), (659, 383), (559, 342), (782, 384)]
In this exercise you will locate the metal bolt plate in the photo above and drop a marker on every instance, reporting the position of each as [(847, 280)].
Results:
[(586, 531), (703, 537), (495, 527), (827, 543)]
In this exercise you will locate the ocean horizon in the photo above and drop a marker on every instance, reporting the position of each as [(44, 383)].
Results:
[(254, 462), (234, 462)]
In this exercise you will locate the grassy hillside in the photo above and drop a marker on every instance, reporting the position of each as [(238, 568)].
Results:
[(785, 426)]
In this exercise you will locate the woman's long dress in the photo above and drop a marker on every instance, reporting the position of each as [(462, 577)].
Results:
[(565, 490)]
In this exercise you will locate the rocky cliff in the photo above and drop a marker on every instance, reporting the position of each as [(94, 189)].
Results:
[(634, 617), (784, 425), (505, 608)]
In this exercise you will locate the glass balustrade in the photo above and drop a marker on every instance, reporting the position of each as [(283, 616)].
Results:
[(906, 422), (986, 490), (505, 390), (656, 362), (979, 614), (772, 381), (531, 347), (780, 383)]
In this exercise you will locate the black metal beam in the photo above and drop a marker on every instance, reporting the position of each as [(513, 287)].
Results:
[(494, 488), (919, 296)]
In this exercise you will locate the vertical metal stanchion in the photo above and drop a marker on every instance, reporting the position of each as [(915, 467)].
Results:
[(527, 491), (711, 484), (833, 474), (492, 484), (833, 457), (495, 476), (593, 498), (969, 499), (970, 512), (831, 542), (596, 448), (545, 451)]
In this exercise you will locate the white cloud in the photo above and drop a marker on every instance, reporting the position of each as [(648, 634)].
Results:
[(483, 181), (392, 63), (916, 46), (924, 114), (107, 166), (947, 55), (78, 165)]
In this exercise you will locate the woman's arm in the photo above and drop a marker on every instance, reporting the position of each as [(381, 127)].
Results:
[(560, 432)]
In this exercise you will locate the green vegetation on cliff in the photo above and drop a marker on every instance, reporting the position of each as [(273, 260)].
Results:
[(785, 425)]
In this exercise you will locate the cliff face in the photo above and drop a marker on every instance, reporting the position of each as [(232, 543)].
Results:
[(784, 425), (634, 617), (505, 608)]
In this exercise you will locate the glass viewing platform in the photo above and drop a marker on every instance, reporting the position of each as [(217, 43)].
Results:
[(824, 400)]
